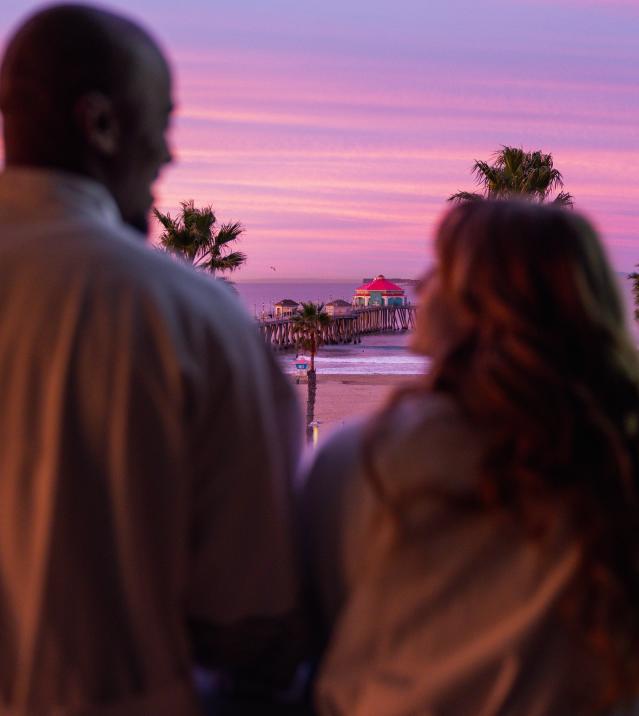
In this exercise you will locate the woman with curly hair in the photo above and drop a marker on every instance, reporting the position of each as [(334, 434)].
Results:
[(474, 547)]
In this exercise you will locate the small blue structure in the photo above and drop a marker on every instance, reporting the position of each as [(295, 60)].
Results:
[(301, 366)]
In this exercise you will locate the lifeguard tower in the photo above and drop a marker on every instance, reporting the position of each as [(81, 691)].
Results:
[(301, 367)]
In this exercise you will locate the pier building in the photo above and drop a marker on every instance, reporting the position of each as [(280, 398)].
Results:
[(286, 308), (338, 307), (379, 292)]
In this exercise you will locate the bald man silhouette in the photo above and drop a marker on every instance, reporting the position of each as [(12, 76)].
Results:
[(88, 92), (149, 439)]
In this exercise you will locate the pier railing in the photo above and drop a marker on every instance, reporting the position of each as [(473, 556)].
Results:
[(349, 328)]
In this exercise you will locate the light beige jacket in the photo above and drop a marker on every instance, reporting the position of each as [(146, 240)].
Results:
[(147, 442), (456, 614)]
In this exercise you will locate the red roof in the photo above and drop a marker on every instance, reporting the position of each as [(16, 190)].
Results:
[(379, 283)]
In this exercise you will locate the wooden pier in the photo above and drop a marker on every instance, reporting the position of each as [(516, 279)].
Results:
[(280, 332)]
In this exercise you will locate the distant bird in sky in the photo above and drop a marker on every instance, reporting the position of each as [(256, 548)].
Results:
[(272, 268)]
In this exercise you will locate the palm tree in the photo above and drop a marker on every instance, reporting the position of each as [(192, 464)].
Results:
[(634, 277), (193, 236), (516, 173), (307, 327)]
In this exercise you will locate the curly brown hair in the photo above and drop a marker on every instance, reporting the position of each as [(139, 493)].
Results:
[(542, 362)]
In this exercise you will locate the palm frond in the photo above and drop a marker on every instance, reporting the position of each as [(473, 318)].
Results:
[(311, 318), (486, 175), (166, 220), (462, 196), (565, 199), (230, 262), (634, 277), (229, 232)]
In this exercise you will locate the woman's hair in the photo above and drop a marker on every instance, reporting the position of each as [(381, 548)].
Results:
[(544, 366)]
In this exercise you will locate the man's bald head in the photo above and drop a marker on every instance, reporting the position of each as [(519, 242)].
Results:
[(65, 51), (80, 88)]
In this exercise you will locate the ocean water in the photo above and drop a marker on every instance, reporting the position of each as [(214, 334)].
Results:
[(383, 354)]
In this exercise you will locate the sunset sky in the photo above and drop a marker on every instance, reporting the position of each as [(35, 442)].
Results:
[(335, 130)]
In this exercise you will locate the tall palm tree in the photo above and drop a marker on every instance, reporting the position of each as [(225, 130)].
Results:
[(517, 173), (194, 236), (307, 327)]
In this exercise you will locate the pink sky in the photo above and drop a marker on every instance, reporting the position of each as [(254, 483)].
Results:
[(335, 133)]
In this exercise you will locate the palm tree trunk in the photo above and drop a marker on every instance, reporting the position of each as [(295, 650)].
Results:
[(310, 403)]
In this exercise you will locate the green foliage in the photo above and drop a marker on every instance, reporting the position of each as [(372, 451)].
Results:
[(517, 173), (307, 327), (634, 277), (194, 236)]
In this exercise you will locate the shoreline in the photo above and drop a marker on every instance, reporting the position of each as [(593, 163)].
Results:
[(361, 378), (342, 398)]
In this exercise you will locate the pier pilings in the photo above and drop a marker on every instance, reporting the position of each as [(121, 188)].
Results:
[(280, 332)]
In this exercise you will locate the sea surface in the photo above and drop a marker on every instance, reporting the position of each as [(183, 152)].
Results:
[(383, 354)]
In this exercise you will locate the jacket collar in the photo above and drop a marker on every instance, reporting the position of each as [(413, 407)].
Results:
[(45, 193)]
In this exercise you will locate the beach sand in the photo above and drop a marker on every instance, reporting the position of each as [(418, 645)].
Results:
[(343, 397)]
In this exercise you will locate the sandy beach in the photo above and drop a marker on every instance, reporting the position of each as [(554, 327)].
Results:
[(343, 397)]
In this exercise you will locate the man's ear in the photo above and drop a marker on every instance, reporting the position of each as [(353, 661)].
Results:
[(98, 122)]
